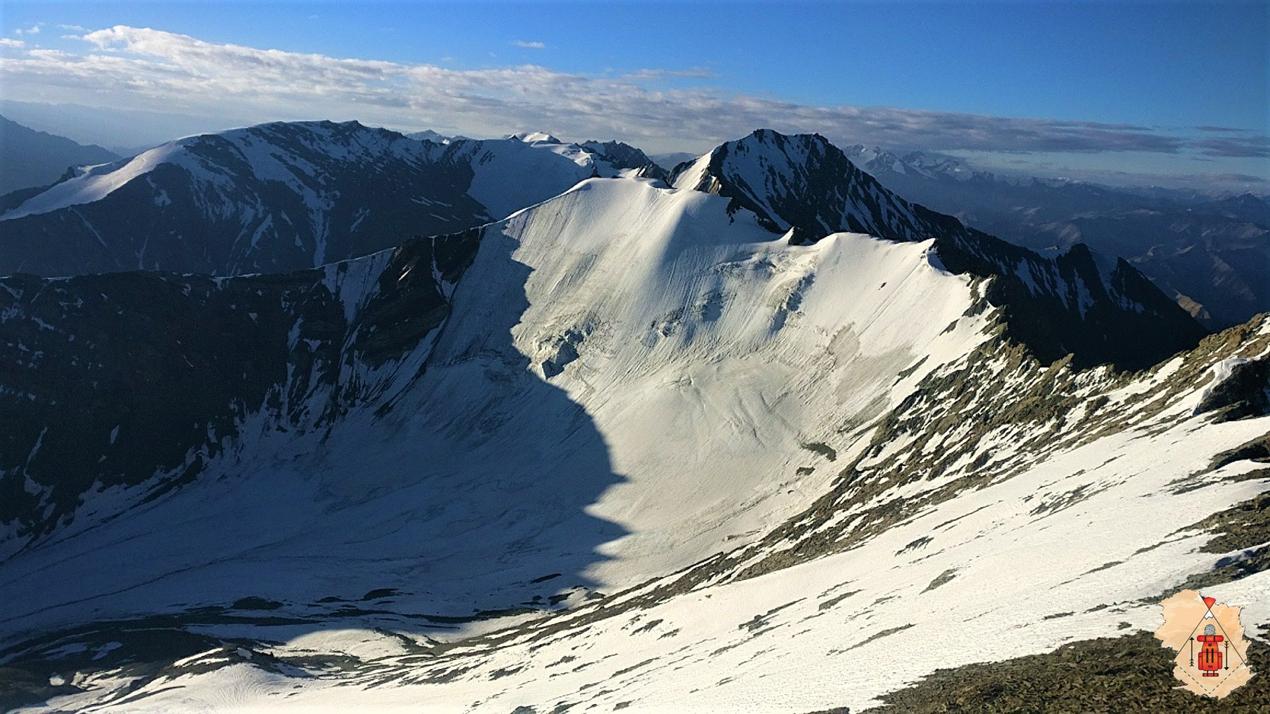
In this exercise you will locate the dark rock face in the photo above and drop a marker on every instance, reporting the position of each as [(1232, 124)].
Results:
[(805, 183), (114, 379), (1243, 393), (1101, 311)]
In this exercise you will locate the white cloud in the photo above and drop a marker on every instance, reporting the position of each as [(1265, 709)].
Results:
[(9, 42), (32, 30), (147, 69), (655, 74), (530, 44), (48, 55)]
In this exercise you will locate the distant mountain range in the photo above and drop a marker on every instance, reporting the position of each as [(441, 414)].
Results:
[(285, 196), (673, 159), (30, 158), (1212, 255), (210, 207)]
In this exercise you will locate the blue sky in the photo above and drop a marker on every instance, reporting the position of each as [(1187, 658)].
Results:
[(1153, 88)]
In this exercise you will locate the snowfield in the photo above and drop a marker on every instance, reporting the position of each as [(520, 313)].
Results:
[(655, 458)]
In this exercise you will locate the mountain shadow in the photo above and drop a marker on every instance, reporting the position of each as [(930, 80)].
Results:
[(215, 462)]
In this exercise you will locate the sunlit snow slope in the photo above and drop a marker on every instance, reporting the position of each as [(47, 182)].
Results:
[(627, 448), (601, 346)]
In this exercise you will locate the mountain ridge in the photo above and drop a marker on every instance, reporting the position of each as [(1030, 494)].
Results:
[(1076, 303), (1208, 254), (33, 158), (282, 196)]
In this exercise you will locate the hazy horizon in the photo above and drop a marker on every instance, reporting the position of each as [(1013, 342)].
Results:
[(1100, 93)]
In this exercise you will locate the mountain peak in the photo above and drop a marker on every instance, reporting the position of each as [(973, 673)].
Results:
[(1076, 304), (625, 156), (883, 163), (289, 152), (535, 137), (801, 181)]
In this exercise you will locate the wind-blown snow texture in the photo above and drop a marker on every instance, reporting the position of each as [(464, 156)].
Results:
[(633, 445)]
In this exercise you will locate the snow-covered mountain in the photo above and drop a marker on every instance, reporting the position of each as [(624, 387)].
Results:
[(1212, 256), (876, 160), (282, 196), (1097, 307), (636, 446)]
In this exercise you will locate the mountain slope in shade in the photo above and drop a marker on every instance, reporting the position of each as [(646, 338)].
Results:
[(306, 337), (429, 135), (279, 197), (1210, 255), (30, 158), (408, 480), (1098, 308)]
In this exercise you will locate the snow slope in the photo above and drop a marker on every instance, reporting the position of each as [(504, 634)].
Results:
[(510, 174), (650, 358), (1098, 308), (833, 632), (643, 452), (676, 328)]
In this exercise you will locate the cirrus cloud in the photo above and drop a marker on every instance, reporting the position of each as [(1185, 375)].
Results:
[(1236, 146)]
